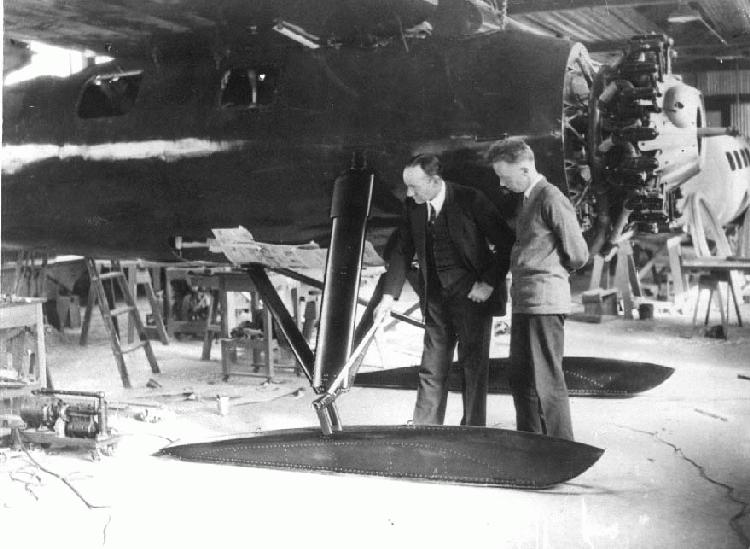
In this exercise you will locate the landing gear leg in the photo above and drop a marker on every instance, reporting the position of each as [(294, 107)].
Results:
[(350, 206)]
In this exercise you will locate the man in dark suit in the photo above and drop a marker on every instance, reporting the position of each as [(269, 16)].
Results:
[(462, 280)]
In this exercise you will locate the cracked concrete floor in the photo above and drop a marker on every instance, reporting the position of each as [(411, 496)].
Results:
[(675, 473)]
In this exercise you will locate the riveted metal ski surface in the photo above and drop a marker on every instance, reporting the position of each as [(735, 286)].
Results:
[(584, 376), (465, 455)]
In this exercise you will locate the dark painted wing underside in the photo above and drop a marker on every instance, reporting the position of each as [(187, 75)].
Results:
[(467, 455), (584, 376)]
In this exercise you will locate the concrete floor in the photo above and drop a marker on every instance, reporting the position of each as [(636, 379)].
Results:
[(675, 473)]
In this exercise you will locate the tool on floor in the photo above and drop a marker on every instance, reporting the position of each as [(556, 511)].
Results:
[(97, 295)]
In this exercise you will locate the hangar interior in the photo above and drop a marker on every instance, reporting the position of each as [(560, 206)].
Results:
[(122, 367)]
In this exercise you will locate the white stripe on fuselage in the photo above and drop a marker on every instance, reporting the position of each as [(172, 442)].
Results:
[(17, 157)]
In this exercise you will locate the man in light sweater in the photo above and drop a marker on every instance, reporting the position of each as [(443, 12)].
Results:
[(549, 245)]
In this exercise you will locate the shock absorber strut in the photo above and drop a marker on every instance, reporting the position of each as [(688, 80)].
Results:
[(350, 206)]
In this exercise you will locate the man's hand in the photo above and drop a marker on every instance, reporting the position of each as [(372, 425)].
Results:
[(384, 308), (480, 292)]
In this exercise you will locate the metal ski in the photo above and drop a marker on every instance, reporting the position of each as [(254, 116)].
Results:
[(465, 455), (584, 376)]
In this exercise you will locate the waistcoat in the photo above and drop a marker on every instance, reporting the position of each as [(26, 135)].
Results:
[(444, 262)]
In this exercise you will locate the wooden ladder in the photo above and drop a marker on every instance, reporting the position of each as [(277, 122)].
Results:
[(97, 294), (138, 275), (30, 279)]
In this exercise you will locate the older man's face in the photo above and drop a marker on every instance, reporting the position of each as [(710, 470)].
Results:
[(516, 177), (420, 186)]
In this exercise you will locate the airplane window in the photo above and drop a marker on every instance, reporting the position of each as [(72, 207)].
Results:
[(249, 88), (731, 160), (109, 94), (737, 158)]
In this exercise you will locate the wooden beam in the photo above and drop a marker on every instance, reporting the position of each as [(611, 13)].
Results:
[(694, 50), (531, 6), (727, 53), (710, 64)]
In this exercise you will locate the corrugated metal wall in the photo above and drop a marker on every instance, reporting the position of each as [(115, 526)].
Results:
[(740, 117), (721, 82), (725, 84)]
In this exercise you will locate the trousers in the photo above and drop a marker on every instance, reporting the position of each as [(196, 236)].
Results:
[(536, 376), (451, 320)]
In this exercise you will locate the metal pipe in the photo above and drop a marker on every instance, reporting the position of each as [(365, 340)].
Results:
[(284, 320)]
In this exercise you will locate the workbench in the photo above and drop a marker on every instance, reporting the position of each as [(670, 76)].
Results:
[(714, 263), (174, 324), (220, 284), (712, 271)]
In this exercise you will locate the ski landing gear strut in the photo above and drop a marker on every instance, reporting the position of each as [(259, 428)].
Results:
[(350, 206)]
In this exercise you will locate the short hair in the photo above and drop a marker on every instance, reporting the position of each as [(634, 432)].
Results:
[(511, 150), (429, 163)]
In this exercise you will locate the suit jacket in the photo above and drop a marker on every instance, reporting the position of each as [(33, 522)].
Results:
[(473, 224)]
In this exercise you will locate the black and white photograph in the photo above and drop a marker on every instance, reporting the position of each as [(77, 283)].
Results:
[(375, 273)]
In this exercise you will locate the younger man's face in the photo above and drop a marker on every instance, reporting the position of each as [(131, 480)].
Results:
[(515, 176)]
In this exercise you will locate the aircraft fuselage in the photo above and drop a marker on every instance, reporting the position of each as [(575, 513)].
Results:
[(196, 151)]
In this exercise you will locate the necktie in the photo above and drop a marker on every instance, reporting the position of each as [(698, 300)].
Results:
[(430, 214)]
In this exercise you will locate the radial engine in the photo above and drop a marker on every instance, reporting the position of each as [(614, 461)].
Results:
[(632, 142)]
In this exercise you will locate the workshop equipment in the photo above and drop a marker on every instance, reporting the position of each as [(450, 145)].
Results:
[(98, 295), (31, 279), (78, 421), (23, 362), (712, 272), (600, 302)]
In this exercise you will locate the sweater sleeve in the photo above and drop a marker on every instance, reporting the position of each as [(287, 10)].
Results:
[(494, 228), (561, 218)]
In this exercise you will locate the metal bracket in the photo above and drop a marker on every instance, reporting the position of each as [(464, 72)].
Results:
[(328, 414), (325, 405), (284, 320)]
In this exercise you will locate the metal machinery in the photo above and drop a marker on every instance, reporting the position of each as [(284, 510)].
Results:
[(631, 142), (78, 421)]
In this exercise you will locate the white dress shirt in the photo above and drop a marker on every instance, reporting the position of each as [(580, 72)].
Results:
[(437, 202)]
